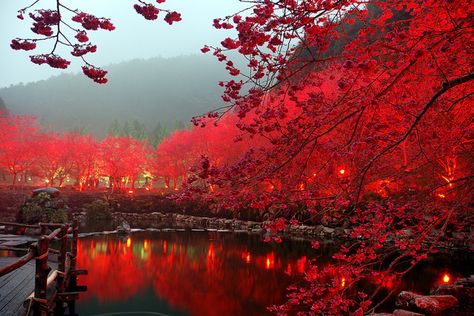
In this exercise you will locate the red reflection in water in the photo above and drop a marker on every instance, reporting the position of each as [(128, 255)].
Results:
[(203, 278)]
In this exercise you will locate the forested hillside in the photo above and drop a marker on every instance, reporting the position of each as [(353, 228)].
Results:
[(152, 91)]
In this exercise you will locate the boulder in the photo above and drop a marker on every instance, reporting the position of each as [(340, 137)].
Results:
[(436, 304), (431, 304), (462, 289), (402, 312), (124, 228)]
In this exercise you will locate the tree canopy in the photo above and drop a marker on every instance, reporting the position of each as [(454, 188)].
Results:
[(355, 114)]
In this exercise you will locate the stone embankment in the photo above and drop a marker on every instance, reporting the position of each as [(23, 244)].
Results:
[(169, 220)]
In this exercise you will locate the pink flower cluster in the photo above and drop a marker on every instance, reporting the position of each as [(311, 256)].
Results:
[(172, 17), (96, 74), (80, 50), (24, 45), (82, 36), (43, 21), (51, 59), (149, 11), (90, 22)]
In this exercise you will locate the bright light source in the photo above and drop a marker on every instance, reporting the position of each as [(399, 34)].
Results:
[(342, 171), (446, 278), (441, 195), (130, 191), (129, 242), (343, 282)]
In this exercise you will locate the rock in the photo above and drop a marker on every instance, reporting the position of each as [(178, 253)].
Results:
[(431, 304), (402, 312), (435, 304), (328, 231), (124, 228), (406, 299), (339, 232), (463, 290)]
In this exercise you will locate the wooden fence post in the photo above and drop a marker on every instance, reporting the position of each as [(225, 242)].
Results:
[(62, 275), (41, 277)]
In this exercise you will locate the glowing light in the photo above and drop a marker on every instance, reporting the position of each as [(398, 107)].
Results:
[(176, 189), (301, 186), (47, 181), (130, 191), (314, 174), (166, 186), (343, 282), (147, 189), (212, 187), (146, 245), (165, 246), (270, 261), (441, 195), (342, 171), (129, 242), (247, 258), (446, 278)]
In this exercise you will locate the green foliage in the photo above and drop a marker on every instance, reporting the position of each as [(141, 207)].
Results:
[(98, 210), (43, 208)]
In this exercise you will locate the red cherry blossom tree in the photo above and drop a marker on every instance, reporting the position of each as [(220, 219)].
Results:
[(64, 26), (361, 114), (124, 159), (19, 136)]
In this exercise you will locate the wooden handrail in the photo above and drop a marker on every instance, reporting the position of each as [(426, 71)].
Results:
[(65, 276), (19, 225), (55, 233), (17, 264)]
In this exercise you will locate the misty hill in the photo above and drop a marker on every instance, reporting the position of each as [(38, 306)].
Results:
[(157, 90)]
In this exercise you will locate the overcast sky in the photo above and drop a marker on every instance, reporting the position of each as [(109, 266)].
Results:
[(134, 36)]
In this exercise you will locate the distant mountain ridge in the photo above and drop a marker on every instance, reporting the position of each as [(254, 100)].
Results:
[(151, 91)]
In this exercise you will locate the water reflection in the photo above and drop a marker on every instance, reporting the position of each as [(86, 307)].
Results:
[(187, 273), (198, 273)]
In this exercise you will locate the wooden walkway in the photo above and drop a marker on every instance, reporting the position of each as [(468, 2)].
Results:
[(15, 287), (48, 274)]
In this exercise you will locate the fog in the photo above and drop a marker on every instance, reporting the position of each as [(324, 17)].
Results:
[(134, 36)]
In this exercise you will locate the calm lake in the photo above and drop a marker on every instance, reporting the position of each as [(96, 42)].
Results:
[(206, 273)]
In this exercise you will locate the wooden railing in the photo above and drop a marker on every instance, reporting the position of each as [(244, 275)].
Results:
[(66, 289)]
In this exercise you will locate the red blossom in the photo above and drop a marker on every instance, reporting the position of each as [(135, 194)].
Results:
[(47, 17), (105, 24), (80, 50), (148, 11), (172, 17), (42, 29), (52, 60), (82, 36), (96, 74), (24, 45), (230, 43)]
